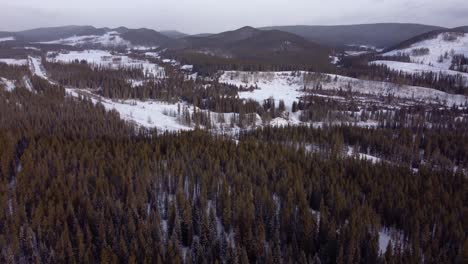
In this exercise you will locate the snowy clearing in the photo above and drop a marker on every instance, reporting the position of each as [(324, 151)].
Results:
[(9, 85), (109, 39), (289, 86), (439, 51), (7, 39), (108, 59), (411, 67), (14, 62), (386, 235), (150, 114), (36, 67), (351, 153), (276, 85)]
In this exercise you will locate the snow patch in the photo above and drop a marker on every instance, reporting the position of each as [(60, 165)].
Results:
[(8, 84), (14, 62), (289, 86), (150, 114), (443, 46), (36, 67), (108, 59), (7, 39), (109, 39)]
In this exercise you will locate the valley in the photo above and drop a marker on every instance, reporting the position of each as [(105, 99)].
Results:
[(304, 144)]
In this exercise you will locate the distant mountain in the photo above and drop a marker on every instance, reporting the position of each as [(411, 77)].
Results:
[(462, 29), (250, 44), (202, 35), (379, 35), (425, 36), (221, 39), (82, 35), (147, 37), (173, 34), (54, 33)]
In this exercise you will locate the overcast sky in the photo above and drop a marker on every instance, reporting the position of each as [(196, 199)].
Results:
[(198, 16)]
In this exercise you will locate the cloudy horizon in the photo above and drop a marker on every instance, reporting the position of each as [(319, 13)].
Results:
[(216, 16)]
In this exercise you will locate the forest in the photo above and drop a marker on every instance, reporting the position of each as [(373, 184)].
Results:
[(80, 185)]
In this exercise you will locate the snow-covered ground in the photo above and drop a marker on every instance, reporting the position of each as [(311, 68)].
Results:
[(8, 84), (276, 85), (288, 86), (153, 55), (29, 48), (109, 39), (444, 46), (36, 67), (14, 62), (410, 67), (107, 59), (7, 39), (143, 48), (186, 67), (355, 53), (362, 156), (150, 114), (386, 235)]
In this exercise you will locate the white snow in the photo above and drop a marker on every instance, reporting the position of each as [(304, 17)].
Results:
[(109, 39), (150, 114), (363, 156), (7, 39), (27, 83), (8, 84), (420, 94), (36, 67), (438, 46), (386, 235), (410, 67), (143, 48), (186, 67), (14, 62), (153, 54), (276, 85), (30, 48), (334, 59), (108, 59), (288, 87), (355, 53)]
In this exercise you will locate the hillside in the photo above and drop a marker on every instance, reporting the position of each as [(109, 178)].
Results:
[(250, 44), (88, 35), (437, 51), (173, 34), (377, 35)]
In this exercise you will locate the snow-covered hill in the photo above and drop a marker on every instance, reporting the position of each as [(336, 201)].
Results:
[(289, 86), (433, 54), (109, 39), (108, 59), (7, 39)]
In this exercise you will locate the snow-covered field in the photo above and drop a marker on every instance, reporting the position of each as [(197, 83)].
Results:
[(14, 62), (276, 85), (351, 153), (7, 39), (8, 84), (288, 86), (386, 235), (438, 53), (156, 114), (109, 39), (150, 114), (108, 59), (36, 67), (410, 67)]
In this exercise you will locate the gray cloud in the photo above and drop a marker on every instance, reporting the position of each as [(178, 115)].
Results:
[(217, 15)]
